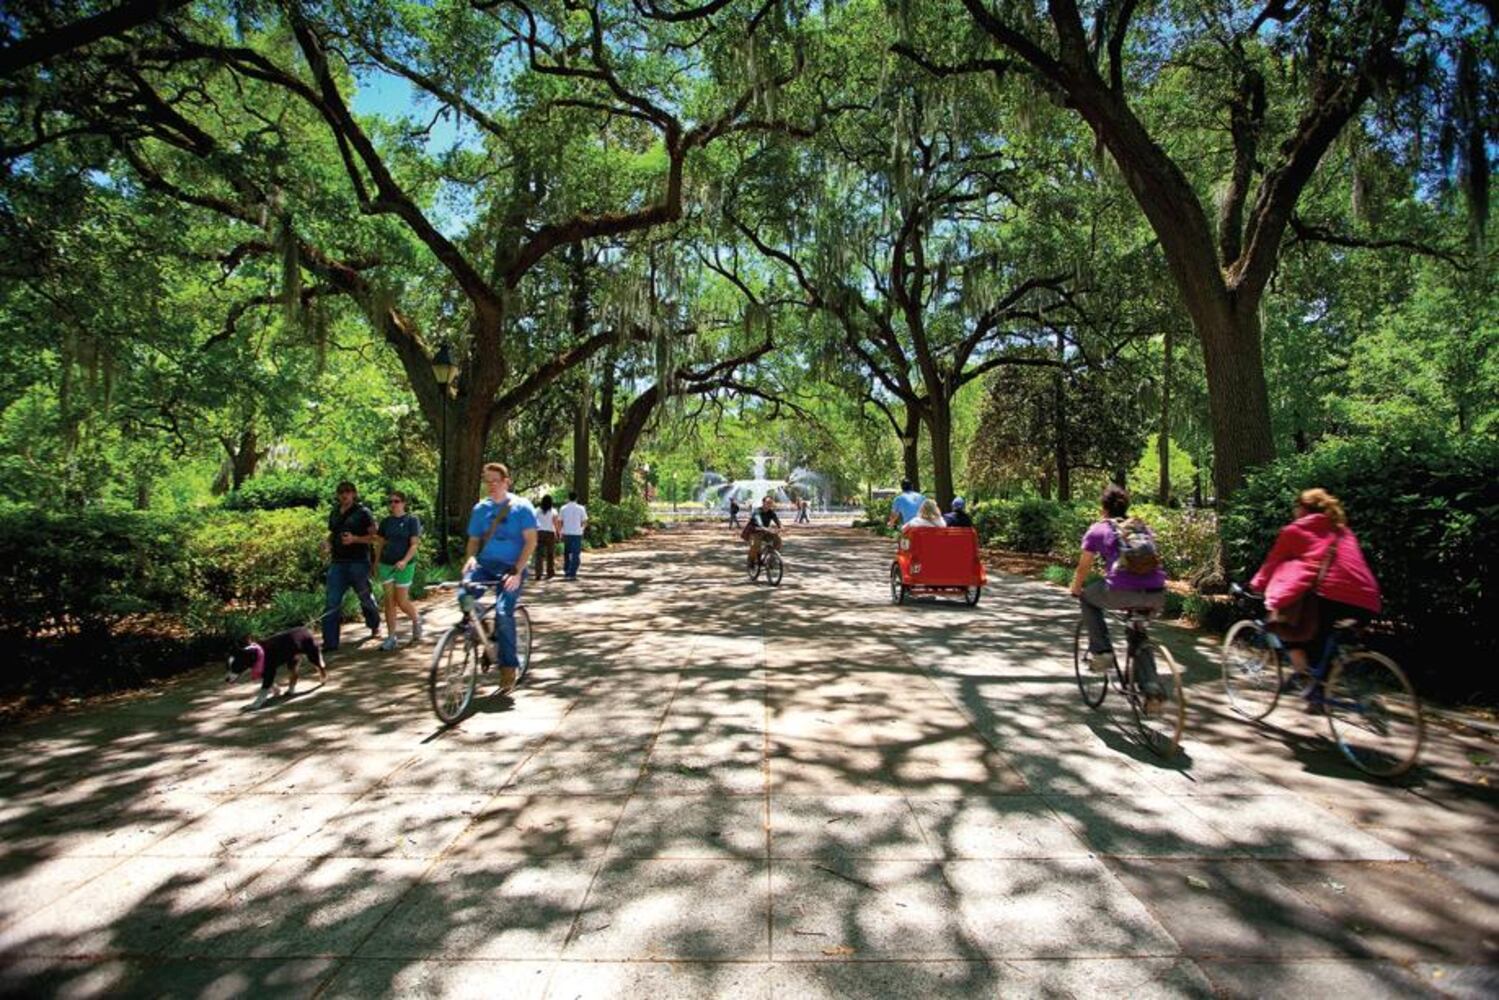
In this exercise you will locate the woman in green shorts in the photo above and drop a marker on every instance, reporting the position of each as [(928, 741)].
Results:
[(401, 533)]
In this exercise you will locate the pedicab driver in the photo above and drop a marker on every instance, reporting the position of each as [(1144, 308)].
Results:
[(905, 506), (757, 529), (501, 538)]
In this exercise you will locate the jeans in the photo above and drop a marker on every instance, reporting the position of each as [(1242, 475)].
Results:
[(1096, 597), (572, 555), (342, 576), (504, 611)]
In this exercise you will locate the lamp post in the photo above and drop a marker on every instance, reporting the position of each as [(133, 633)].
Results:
[(443, 370)]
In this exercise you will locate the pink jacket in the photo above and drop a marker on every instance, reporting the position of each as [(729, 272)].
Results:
[(1290, 569)]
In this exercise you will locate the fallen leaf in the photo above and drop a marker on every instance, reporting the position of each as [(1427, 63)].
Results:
[(838, 949), (1480, 758), (1198, 883), (1335, 885)]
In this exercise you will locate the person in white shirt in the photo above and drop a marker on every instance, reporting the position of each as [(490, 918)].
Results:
[(546, 538), (574, 521)]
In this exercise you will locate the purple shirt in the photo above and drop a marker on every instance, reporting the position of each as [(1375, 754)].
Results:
[(1102, 539)]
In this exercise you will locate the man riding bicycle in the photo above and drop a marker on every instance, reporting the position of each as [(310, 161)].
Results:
[(758, 531), (501, 538)]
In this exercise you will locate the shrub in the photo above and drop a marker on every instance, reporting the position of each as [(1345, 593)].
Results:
[(611, 522), (1035, 528), (280, 490), (876, 513), (1187, 539), (1209, 612), (251, 556), (82, 571), (1060, 575), (1426, 513)]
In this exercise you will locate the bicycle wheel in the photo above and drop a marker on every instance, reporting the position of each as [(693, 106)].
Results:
[(971, 595), (522, 643), (1252, 670), (1374, 714), (455, 671), (774, 568), (1093, 686), (897, 588), (753, 569), (1161, 729)]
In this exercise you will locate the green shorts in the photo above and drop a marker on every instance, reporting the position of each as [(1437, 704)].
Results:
[(388, 573)]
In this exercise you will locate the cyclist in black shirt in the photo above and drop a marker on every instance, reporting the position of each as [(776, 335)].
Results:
[(758, 529)]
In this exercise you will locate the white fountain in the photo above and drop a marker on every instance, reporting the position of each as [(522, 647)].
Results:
[(801, 483)]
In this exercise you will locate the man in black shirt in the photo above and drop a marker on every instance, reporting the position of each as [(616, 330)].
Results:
[(757, 530), (958, 516), (351, 532)]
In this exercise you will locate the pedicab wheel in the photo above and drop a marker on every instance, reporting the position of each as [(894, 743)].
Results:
[(454, 673), (774, 568), (1374, 714), (522, 643), (1093, 686), (1252, 672), (897, 588), (971, 595), (1161, 729)]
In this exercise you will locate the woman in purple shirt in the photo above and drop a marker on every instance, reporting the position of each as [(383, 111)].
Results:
[(1119, 588)]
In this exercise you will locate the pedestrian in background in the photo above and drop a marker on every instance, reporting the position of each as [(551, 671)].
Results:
[(351, 533), (574, 519), (548, 526)]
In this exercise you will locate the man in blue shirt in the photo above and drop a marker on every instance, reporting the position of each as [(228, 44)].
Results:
[(501, 538), (905, 506)]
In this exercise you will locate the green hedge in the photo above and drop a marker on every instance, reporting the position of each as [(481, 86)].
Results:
[(1187, 539), (103, 598), (615, 522), (283, 490), (1426, 513)]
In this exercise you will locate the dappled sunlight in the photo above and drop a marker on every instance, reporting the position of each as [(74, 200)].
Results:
[(700, 782)]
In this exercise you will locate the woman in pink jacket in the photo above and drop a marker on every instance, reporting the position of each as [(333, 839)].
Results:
[(1319, 534)]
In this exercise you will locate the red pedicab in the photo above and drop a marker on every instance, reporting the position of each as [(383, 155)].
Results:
[(938, 561)]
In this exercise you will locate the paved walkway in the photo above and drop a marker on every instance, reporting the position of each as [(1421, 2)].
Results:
[(716, 788)]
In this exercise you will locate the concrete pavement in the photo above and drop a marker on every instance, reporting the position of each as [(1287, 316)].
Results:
[(711, 787)]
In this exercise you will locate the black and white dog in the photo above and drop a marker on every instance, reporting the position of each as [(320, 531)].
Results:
[(262, 659)]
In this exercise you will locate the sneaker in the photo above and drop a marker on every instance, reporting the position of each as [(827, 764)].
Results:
[(416, 630), (389, 643), (1101, 663), (374, 632), (507, 679), (261, 697)]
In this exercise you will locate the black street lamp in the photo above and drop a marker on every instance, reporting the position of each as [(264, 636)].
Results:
[(443, 370)]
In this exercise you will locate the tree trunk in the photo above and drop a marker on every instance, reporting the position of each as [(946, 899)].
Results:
[(582, 442), (244, 458), (622, 441), (939, 429), (910, 452), (1163, 446), (577, 318), (1238, 400), (1059, 429), (467, 435)]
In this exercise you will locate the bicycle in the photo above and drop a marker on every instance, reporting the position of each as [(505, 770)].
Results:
[(1372, 709), (1162, 727), (464, 651), (770, 561)]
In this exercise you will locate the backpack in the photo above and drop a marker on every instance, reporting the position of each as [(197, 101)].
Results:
[(1137, 549)]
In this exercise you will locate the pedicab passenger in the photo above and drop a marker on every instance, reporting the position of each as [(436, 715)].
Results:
[(958, 516), (929, 516)]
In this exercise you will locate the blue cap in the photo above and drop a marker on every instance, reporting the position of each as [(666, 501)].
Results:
[(957, 503)]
